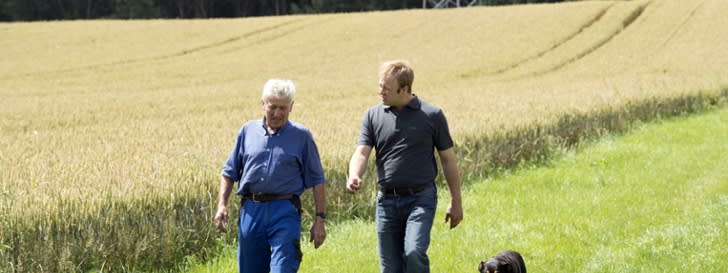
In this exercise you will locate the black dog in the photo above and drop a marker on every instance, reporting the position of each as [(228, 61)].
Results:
[(505, 262)]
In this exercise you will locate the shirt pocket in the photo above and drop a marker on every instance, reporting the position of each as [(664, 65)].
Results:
[(285, 164)]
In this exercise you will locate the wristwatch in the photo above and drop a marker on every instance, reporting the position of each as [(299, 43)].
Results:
[(321, 214)]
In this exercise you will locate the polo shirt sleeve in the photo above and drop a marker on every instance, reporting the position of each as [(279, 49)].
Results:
[(442, 138), (313, 171), (233, 167), (366, 132)]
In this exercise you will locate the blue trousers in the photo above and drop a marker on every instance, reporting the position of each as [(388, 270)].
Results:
[(403, 227), (269, 237)]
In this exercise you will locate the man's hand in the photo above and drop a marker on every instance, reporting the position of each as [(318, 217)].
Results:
[(353, 184), (221, 218), (454, 215), (318, 232)]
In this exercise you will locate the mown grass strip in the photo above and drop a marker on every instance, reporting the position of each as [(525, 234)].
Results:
[(654, 200)]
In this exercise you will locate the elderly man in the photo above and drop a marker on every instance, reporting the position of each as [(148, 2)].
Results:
[(274, 160)]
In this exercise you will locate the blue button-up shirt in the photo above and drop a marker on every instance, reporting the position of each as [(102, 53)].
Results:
[(286, 162)]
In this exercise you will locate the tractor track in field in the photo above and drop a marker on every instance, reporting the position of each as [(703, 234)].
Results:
[(683, 23), (181, 53), (572, 36), (264, 40), (226, 41), (628, 20), (625, 24)]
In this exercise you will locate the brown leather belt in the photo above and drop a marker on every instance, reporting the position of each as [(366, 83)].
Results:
[(267, 197), (259, 198), (404, 191)]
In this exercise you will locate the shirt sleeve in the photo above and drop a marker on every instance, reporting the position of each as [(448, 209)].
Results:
[(233, 167), (313, 171), (442, 138), (366, 132)]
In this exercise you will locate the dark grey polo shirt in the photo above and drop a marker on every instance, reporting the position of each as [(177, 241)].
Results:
[(404, 142)]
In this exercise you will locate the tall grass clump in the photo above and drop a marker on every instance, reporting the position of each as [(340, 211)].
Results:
[(127, 234), (484, 155)]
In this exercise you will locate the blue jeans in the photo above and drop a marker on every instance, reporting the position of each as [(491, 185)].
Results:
[(269, 237), (403, 227)]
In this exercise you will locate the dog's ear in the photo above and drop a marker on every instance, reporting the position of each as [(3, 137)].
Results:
[(492, 266), (481, 267)]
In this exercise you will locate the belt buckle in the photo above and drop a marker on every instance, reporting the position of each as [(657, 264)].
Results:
[(255, 197), (401, 192)]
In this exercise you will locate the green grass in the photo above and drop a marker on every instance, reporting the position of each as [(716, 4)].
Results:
[(653, 200)]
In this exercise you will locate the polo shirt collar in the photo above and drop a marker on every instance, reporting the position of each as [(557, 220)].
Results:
[(413, 104)]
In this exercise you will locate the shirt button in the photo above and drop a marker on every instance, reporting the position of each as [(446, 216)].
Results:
[(261, 179)]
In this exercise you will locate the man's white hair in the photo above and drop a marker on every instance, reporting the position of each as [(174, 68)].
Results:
[(280, 89)]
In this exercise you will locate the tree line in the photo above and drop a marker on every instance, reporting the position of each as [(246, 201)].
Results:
[(33, 10)]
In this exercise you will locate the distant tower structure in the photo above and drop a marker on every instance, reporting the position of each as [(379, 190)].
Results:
[(438, 4)]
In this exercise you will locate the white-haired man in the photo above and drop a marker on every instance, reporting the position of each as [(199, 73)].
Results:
[(274, 160)]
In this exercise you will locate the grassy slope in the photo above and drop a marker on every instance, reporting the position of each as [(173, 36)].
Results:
[(653, 200)]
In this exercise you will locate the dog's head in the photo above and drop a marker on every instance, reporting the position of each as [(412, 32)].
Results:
[(504, 262)]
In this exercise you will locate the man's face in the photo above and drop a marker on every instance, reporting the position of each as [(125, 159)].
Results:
[(276, 111), (390, 92)]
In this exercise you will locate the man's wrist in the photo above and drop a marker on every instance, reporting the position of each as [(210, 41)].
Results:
[(321, 215)]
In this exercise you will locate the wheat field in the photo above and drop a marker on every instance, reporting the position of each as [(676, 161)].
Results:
[(112, 133)]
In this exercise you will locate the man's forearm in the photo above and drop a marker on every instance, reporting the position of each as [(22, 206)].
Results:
[(452, 176), (357, 166), (319, 195), (226, 186)]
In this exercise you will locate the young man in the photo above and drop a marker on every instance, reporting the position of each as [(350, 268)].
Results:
[(405, 131), (274, 160)]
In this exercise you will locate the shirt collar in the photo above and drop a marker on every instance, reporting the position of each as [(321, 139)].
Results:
[(414, 104), (278, 132)]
